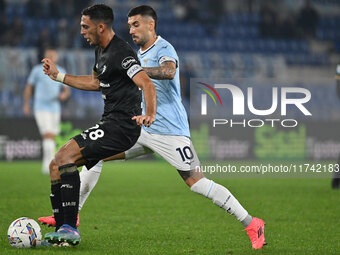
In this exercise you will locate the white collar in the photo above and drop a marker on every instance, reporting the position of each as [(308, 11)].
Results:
[(143, 51)]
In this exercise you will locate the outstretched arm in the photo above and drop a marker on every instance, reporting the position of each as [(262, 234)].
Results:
[(166, 71), (144, 83), (86, 82)]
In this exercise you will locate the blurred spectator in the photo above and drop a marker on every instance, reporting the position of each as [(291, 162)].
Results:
[(250, 6), (15, 31), (179, 10), (216, 9), (34, 8), (62, 8), (45, 41), (4, 28), (76, 40), (187, 10), (80, 5), (268, 24), (287, 27), (2, 7), (215, 13), (308, 18), (193, 10), (63, 34)]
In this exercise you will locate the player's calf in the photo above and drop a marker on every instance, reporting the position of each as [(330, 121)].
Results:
[(223, 198), (70, 185)]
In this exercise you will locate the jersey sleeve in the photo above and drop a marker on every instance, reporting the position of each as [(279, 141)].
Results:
[(167, 53), (32, 78), (128, 63)]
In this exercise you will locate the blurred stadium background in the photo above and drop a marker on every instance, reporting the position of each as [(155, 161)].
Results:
[(268, 42)]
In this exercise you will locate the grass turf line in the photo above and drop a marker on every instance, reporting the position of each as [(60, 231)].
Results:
[(145, 208)]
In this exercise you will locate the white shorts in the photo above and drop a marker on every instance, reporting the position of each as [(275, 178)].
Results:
[(177, 150), (48, 122)]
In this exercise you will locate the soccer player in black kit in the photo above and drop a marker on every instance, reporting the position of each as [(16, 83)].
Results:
[(116, 73)]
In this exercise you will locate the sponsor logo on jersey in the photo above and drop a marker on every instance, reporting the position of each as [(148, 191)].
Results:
[(128, 61), (104, 69), (107, 85)]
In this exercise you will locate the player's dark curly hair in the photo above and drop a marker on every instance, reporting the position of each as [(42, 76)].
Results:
[(100, 12), (144, 10)]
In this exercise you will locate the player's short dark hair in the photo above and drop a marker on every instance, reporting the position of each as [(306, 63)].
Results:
[(100, 12), (144, 10)]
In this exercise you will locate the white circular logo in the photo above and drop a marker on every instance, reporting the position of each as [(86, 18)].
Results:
[(128, 61)]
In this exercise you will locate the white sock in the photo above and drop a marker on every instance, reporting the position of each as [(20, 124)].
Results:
[(220, 196), (88, 179), (48, 154)]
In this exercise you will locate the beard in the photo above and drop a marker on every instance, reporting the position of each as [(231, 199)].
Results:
[(139, 41)]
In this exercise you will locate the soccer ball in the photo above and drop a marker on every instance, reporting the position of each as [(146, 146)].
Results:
[(24, 233)]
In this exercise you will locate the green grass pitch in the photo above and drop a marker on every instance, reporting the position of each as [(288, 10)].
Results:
[(143, 207)]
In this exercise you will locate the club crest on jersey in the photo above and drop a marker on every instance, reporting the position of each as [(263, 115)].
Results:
[(128, 61)]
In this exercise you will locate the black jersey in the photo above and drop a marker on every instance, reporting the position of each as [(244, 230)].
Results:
[(115, 66)]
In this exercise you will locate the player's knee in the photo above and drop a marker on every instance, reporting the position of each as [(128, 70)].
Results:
[(54, 173), (61, 157), (58, 157), (191, 177), (53, 165)]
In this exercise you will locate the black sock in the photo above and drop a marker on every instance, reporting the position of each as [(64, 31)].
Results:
[(70, 186), (56, 203)]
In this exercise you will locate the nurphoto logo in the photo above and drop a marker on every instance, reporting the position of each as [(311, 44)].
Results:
[(281, 97)]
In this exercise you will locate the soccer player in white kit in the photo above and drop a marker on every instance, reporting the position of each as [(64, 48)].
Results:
[(169, 136), (47, 110)]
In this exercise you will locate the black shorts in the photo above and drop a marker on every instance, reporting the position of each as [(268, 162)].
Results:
[(107, 138)]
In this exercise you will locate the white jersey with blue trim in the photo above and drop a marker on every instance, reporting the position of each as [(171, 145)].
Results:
[(171, 117)]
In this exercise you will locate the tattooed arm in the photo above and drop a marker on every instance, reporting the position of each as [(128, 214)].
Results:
[(166, 71)]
